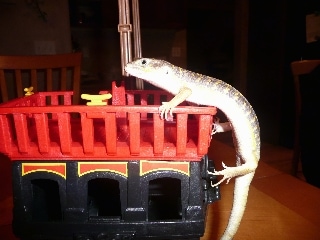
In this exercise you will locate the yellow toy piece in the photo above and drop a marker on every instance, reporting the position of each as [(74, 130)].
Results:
[(28, 91), (96, 100)]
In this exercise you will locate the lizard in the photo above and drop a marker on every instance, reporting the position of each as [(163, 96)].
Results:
[(204, 90)]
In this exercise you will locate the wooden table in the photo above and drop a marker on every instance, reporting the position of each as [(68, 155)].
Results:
[(279, 205)]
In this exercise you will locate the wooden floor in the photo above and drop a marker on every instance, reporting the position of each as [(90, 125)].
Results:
[(279, 205), (275, 156)]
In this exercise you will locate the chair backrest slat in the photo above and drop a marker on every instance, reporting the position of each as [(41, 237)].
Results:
[(34, 80), (75, 82), (3, 86), (64, 79), (299, 68), (49, 79), (18, 79)]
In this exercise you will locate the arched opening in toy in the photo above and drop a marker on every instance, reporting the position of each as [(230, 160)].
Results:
[(164, 202), (104, 198), (46, 205)]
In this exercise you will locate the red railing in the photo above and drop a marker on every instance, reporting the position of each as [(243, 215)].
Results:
[(46, 126)]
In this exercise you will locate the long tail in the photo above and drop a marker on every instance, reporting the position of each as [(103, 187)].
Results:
[(241, 190)]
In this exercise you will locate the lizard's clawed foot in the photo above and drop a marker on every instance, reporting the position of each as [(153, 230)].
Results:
[(227, 173), (165, 111)]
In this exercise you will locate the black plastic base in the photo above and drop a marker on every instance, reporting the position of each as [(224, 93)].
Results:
[(104, 231), (103, 205)]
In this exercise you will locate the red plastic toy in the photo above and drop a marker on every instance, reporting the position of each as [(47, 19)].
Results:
[(46, 125), (116, 171)]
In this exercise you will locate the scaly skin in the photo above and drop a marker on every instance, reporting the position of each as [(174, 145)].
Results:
[(204, 90)]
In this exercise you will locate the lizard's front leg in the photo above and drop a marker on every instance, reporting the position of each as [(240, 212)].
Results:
[(167, 107)]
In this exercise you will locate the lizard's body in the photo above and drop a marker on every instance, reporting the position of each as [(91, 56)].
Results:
[(204, 90)]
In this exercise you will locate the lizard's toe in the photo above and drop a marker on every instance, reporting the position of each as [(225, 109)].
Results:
[(165, 111)]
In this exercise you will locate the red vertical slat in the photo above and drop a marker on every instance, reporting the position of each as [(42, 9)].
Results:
[(181, 145), (143, 102), (156, 99), (21, 127), (54, 99), (118, 94), (204, 132), (134, 131), (158, 132), (67, 99), (130, 98), (42, 131), (64, 132), (111, 133), (144, 99), (87, 133), (5, 135), (41, 101)]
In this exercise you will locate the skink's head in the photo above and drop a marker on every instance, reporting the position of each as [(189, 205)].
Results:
[(155, 71)]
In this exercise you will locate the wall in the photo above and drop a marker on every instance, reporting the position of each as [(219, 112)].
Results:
[(216, 39), (266, 64), (24, 32), (101, 51)]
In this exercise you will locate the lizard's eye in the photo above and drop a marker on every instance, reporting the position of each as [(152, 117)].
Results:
[(144, 62)]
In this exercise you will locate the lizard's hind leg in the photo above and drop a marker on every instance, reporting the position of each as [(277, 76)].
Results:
[(230, 172), (227, 175)]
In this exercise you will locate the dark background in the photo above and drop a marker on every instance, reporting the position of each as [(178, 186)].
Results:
[(249, 44)]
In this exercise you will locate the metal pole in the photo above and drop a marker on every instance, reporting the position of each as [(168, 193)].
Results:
[(125, 28), (137, 37)]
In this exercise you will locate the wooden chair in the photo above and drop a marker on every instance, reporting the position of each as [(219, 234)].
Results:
[(42, 72), (299, 68)]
